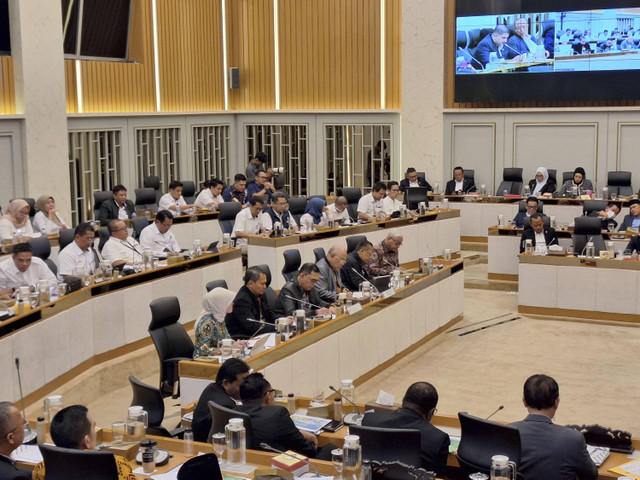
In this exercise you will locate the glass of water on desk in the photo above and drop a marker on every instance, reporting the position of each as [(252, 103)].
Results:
[(219, 441), (336, 459)]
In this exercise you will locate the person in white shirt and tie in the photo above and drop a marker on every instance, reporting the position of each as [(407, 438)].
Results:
[(158, 238), (78, 253), (121, 248)]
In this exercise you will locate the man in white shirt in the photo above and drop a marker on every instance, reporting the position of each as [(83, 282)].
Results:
[(158, 238), (338, 210), (391, 203), (173, 200), (22, 270), (121, 248), (248, 222), (278, 213), (371, 203), (78, 253), (211, 196)]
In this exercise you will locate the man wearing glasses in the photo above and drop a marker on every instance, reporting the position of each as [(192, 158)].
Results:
[(158, 238), (121, 248), (278, 212), (413, 180), (384, 258), (261, 187), (530, 208), (390, 203), (12, 434), (330, 282), (299, 294)]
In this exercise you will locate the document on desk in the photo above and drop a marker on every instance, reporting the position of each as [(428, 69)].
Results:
[(309, 424), (631, 469), (454, 437), (27, 454)]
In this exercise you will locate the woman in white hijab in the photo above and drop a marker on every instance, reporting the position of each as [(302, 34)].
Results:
[(542, 183), (210, 326)]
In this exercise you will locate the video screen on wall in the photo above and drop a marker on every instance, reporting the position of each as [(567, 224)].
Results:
[(515, 51)]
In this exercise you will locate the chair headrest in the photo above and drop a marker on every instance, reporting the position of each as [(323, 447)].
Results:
[(588, 226), (152, 182), (41, 247), (229, 210), (352, 194), (512, 175), (619, 179), (297, 205), (99, 197), (188, 188), (164, 311), (145, 196)]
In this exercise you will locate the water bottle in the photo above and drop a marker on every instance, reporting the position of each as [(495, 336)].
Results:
[(352, 457), (236, 442), (337, 410), (347, 390), (43, 232), (505, 193), (188, 442), (177, 209), (134, 215), (291, 403), (41, 431), (137, 422)]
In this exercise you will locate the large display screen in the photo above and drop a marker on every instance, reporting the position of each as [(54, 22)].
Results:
[(515, 51)]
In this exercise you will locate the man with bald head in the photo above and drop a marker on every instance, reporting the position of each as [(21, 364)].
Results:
[(11, 437), (330, 282), (384, 258), (121, 248)]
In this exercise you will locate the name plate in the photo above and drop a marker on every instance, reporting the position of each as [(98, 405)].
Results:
[(355, 308), (388, 293)]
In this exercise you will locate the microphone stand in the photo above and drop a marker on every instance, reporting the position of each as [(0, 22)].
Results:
[(303, 303), (29, 435), (266, 446), (377, 292), (497, 410), (350, 418)]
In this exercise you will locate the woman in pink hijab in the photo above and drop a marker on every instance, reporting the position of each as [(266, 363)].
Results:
[(16, 220)]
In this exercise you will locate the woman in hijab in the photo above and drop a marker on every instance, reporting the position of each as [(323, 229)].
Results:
[(315, 210), (47, 217), (579, 182), (542, 183), (16, 220), (210, 326)]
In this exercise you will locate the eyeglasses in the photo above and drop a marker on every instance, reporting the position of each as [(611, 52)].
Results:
[(394, 190), (23, 424), (273, 390)]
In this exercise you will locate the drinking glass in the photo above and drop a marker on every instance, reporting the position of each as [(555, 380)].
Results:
[(336, 459), (118, 430), (219, 441), (62, 289), (137, 267), (33, 300), (86, 280)]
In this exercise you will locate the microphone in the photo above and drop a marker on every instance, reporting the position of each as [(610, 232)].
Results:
[(395, 267), (266, 446), (467, 54), (303, 303), (512, 49), (350, 418), (435, 257), (366, 280), (497, 410), (29, 435), (552, 240), (585, 245)]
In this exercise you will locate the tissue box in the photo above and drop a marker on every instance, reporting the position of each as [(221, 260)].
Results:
[(292, 462)]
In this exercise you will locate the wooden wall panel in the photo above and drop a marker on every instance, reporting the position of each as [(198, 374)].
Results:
[(250, 48), (393, 57), (124, 87), (70, 83), (190, 55), (7, 90)]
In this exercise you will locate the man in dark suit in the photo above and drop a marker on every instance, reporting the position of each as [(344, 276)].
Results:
[(531, 207), (357, 260), (272, 424), (302, 289), (224, 391), (411, 179), (538, 233), (549, 450), (459, 185), (118, 209), (522, 42), (330, 282), (495, 42), (250, 306), (418, 407), (633, 219), (12, 435)]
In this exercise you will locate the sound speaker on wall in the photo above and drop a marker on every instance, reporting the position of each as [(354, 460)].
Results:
[(234, 77)]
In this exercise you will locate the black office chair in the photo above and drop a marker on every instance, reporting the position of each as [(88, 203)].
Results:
[(171, 341), (104, 235), (42, 249), (189, 191), (352, 194), (220, 418), (522, 206), (216, 284), (65, 463), (98, 199), (269, 293), (323, 197), (353, 241), (619, 183), (292, 262), (389, 444), (552, 176), (319, 253), (153, 182), (194, 468), (526, 222), (227, 217), (145, 199), (297, 207), (566, 176), (470, 174), (139, 224), (590, 206), (482, 439), (151, 400), (66, 237), (511, 182), (587, 229)]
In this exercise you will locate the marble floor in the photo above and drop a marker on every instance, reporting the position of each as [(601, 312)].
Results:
[(595, 364)]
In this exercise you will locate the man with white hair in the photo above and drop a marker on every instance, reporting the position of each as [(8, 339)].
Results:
[(384, 259)]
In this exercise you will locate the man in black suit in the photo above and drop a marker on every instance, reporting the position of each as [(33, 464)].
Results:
[(418, 408), (11, 437), (549, 450), (118, 209), (302, 289), (633, 219), (272, 424), (540, 235), (531, 207), (353, 271), (411, 179), (224, 391), (250, 306), (459, 185), (495, 42)]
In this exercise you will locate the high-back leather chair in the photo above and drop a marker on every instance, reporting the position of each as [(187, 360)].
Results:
[(566, 176), (482, 439), (587, 229), (146, 199), (297, 207), (153, 182), (270, 294), (470, 174), (66, 237), (220, 418), (511, 182), (66, 463), (590, 206), (353, 241), (292, 262), (552, 175), (227, 217), (216, 284), (139, 224), (619, 183), (171, 341), (103, 235), (189, 191), (98, 199), (42, 249), (151, 400), (352, 194), (319, 253), (389, 444)]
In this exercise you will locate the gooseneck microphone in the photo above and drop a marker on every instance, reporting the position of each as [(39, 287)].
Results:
[(512, 49), (303, 303), (395, 267), (497, 410), (466, 54), (266, 446), (585, 245), (29, 435), (349, 418), (366, 280)]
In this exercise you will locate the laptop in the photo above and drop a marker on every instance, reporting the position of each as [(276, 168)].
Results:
[(382, 282)]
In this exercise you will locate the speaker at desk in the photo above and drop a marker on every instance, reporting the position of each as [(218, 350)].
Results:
[(234, 77)]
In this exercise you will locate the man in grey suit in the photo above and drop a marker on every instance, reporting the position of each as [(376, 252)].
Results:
[(549, 450), (330, 283)]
